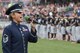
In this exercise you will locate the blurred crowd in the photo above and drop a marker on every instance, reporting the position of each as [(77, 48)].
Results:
[(2, 13), (53, 21)]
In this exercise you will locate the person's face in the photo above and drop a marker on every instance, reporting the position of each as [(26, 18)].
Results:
[(18, 16)]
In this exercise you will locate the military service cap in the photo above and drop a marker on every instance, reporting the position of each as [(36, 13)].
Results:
[(14, 8)]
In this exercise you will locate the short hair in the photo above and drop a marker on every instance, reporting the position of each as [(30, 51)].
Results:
[(10, 16)]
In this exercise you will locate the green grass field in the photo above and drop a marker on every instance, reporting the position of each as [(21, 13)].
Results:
[(52, 46), (0, 44)]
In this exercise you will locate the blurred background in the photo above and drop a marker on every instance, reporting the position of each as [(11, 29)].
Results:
[(47, 14)]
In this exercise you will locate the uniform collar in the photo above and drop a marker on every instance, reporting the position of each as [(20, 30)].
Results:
[(14, 23)]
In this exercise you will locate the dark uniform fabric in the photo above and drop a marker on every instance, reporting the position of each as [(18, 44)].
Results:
[(16, 37)]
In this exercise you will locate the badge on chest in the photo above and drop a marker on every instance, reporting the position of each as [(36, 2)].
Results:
[(24, 29)]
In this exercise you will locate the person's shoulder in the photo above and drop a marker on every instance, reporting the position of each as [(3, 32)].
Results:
[(8, 26)]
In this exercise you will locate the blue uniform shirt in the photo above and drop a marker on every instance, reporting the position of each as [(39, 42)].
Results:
[(16, 37)]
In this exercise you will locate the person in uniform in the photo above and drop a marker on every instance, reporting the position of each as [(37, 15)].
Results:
[(73, 29), (68, 28), (53, 29), (63, 30), (78, 41), (77, 28), (16, 36), (49, 27)]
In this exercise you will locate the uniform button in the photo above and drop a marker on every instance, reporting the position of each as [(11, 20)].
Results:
[(23, 38), (24, 51), (23, 41), (24, 45), (21, 32), (22, 35)]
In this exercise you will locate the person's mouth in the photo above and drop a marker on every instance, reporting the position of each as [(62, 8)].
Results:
[(20, 17)]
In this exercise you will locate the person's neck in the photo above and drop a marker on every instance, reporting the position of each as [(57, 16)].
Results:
[(16, 22)]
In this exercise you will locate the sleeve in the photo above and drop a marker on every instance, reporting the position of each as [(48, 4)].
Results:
[(6, 41), (32, 36)]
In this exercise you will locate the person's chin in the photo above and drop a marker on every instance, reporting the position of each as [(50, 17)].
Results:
[(21, 20)]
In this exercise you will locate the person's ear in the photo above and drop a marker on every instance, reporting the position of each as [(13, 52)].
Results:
[(13, 15)]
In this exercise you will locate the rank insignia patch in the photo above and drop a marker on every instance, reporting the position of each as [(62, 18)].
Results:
[(5, 38)]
